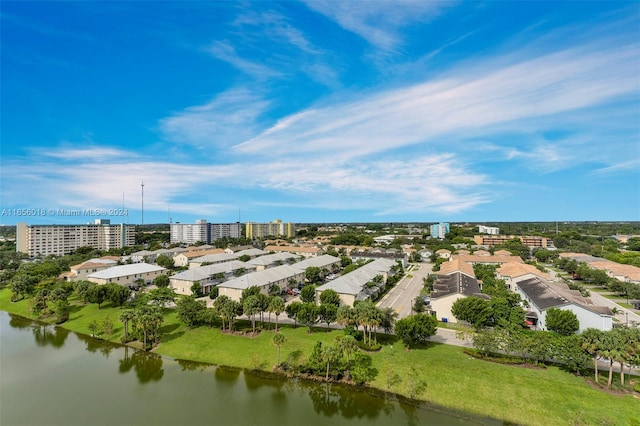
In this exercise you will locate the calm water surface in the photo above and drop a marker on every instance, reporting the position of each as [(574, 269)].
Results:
[(50, 376)]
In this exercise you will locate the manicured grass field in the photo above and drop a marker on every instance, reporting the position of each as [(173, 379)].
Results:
[(519, 395)]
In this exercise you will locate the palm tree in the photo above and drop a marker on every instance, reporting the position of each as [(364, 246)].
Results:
[(345, 315), (219, 307), (610, 349), (592, 344), (251, 307), (346, 345), (276, 305), (328, 353), (278, 340), (125, 317)]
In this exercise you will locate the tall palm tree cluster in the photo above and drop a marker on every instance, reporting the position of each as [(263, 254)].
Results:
[(145, 322), (371, 318), (620, 345)]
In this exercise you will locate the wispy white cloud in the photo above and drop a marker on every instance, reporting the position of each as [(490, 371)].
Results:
[(378, 22), (632, 166), (229, 118), (227, 53), (464, 103)]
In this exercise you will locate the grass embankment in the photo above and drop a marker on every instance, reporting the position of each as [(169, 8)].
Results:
[(515, 394)]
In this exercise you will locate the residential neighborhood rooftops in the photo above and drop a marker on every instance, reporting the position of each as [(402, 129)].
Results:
[(205, 272), (269, 259), (319, 262), (262, 278), (456, 265), (100, 262), (456, 282), (126, 270), (496, 259), (515, 269)]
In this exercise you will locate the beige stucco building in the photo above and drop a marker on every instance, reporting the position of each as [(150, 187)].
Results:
[(127, 275)]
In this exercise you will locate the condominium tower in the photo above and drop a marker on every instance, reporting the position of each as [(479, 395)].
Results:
[(44, 240), (272, 229), (202, 231)]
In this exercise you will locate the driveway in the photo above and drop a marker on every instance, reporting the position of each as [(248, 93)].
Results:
[(402, 296)]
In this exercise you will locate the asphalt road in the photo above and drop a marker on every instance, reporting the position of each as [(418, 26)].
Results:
[(402, 296)]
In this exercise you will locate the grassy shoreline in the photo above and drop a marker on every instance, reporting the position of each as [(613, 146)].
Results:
[(454, 380)]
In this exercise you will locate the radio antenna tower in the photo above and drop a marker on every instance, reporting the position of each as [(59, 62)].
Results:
[(142, 186)]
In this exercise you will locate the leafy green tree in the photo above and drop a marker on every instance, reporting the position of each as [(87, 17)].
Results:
[(254, 290), (161, 280), (82, 290), (416, 384), (23, 285), (93, 327), (196, 289), (190, 310), (97, 294), (330, 297), (162, 296), (328, 314), (416, 329), (474, 310), (165, 261), (292, 310), (215, 291), (62, 309), (563, 322), (487, 341), (107, 326), (117, 294), (345, 261), (278, 340), (350, 268), (312, 274), (418, 306), (208, 317), (568, 350), (308, 294), (308, 315)]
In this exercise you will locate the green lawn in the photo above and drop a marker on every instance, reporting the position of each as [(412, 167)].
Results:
[(514, 394)]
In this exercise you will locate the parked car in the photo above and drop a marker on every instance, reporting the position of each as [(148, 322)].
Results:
[(295, 291)]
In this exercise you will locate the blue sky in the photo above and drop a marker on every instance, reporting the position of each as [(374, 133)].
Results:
[(321, 111)]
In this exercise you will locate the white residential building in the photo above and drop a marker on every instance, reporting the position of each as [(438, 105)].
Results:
[(127, 275), (202, 231), (488, 230), (540, 296), (58, 240)]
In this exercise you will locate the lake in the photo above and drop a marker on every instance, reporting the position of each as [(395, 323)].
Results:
[(50, 376)]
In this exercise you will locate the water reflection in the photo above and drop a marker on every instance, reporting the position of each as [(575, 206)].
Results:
[(273, 398), (18, 322), (227, 375), (148, 366), (49, 335), (94, 345)]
